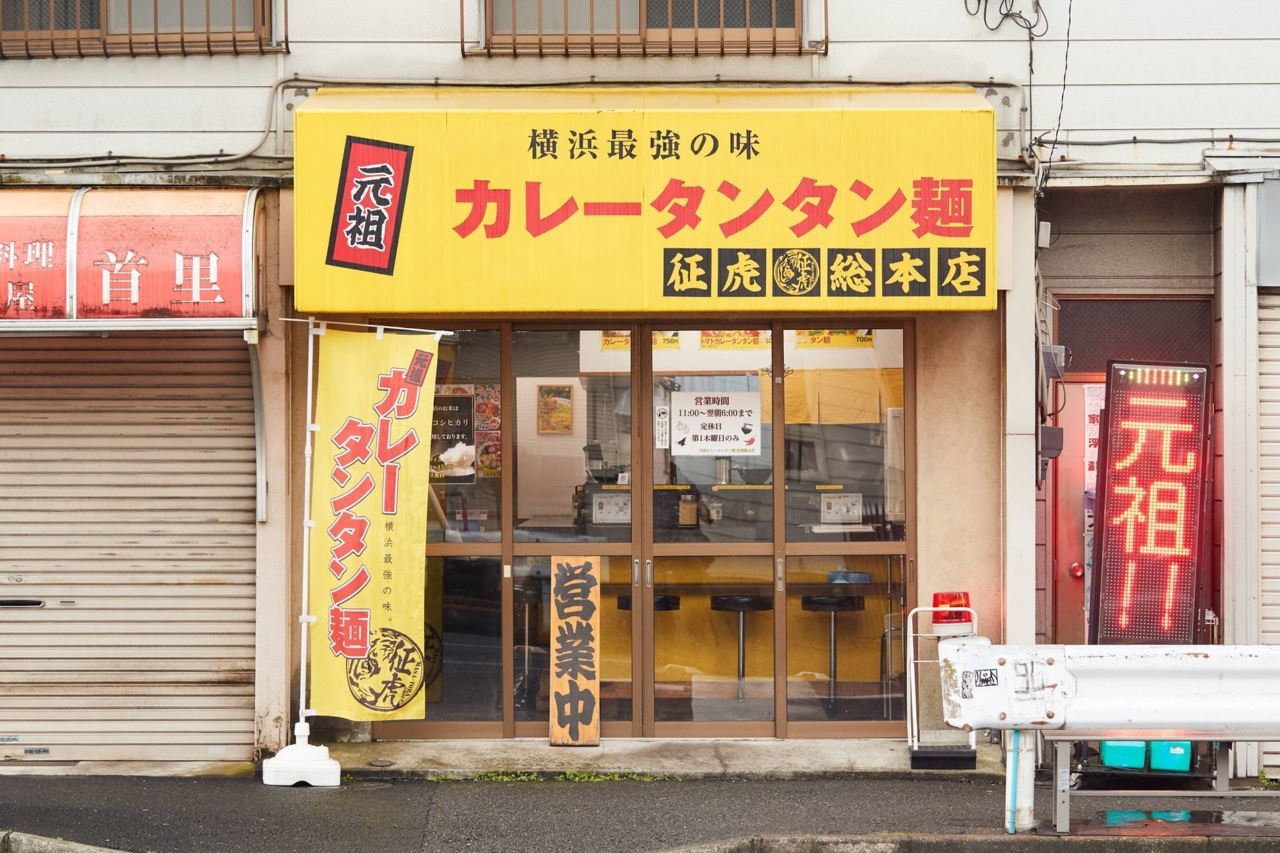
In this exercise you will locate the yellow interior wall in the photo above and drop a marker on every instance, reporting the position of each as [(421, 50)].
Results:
[(858, 633), (829, 396)]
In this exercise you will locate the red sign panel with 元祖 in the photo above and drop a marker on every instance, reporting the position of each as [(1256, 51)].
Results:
[(1151, 507), (369, 207)]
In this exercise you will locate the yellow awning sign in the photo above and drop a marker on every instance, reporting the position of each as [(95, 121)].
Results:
[(499, 201)]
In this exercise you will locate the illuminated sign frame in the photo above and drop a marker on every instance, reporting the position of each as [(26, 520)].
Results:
[(1151, 504)]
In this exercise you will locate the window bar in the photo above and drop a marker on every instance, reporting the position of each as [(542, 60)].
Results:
[(722, 26), (286, 25), (798, 22), (591, 28), (489, 11), (79, 34), (746, 6), (515, 31), (260, 19), (643, 21), (155, 22), (26, 27), (617, 24), (235, 34), (462, 27), (773, 11), (130, 23), (671, 29), (696, 25), (53, 23), (826, 28), (182, 27), (102, 31), (566, 27), (3, 55)]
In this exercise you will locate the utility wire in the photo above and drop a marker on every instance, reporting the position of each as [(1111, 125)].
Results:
[(1062, 100), (1006, 11)]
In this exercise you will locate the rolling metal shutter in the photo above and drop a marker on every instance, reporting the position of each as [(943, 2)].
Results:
[(1269, 482), (127, 488)]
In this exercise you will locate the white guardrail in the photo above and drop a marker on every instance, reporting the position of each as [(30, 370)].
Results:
[(1078, 693)]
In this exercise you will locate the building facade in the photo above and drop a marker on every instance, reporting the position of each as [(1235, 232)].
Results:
[(1125, 205)]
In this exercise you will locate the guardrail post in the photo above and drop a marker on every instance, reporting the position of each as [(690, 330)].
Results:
[(1062, 786)]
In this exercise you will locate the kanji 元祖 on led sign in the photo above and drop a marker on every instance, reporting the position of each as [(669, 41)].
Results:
[(1151, 520)]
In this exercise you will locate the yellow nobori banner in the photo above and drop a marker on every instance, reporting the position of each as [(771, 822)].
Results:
[(374, 399), (633, 200)]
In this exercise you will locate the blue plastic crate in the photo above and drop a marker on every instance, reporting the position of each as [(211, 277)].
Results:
[(1125, 754), (1171, 755)]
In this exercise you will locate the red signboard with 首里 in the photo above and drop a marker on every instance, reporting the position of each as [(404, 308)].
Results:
[(125, 254), (1151, 512)]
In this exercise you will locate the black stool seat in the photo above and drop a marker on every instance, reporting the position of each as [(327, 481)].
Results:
[(828, 603), (661, 602), (742, 603)]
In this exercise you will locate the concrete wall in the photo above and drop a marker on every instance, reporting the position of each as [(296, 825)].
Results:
[(1148, 68), (958, 461)]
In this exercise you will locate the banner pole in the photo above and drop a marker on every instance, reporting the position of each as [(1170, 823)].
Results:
[(304, 762), (306, 618)]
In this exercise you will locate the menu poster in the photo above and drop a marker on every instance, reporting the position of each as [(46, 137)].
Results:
[(453, 435), (722, 339), (488, 425)]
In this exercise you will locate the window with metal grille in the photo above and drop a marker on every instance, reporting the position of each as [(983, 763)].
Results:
[(645, 26), (42, 28), (1145, 330)]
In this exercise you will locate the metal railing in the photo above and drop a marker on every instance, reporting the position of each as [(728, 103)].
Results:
[(646, 27), (33, 29)]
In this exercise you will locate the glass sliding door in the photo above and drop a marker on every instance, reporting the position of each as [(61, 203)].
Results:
[(572, 496), (846, 448), (709, 588)]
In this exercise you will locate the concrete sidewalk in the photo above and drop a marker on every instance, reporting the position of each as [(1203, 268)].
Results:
[(686, 758)]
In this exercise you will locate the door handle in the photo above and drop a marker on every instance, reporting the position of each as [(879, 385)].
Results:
[(648, 573), (21, 602), (780, 573), (635, 573)]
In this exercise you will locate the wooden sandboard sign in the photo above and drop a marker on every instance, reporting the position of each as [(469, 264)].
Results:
[(575, 651)]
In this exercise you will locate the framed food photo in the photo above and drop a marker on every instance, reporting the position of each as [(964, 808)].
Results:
[(555, 410)]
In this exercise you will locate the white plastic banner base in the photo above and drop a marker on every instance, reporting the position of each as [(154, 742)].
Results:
[(301, 762)]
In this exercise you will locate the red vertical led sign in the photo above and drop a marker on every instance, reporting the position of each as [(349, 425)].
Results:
[(1151, 515)]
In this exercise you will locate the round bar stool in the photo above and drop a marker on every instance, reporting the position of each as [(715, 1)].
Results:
[(832, 603), (662, 602), (527, 591), (742, 605)]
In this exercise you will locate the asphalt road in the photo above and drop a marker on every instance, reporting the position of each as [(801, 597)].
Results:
[(242, 815)]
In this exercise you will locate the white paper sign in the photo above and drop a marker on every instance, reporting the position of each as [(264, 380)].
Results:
[(715, 423), (841, 508), (1095, 397), (661, 427), (611, 508)]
